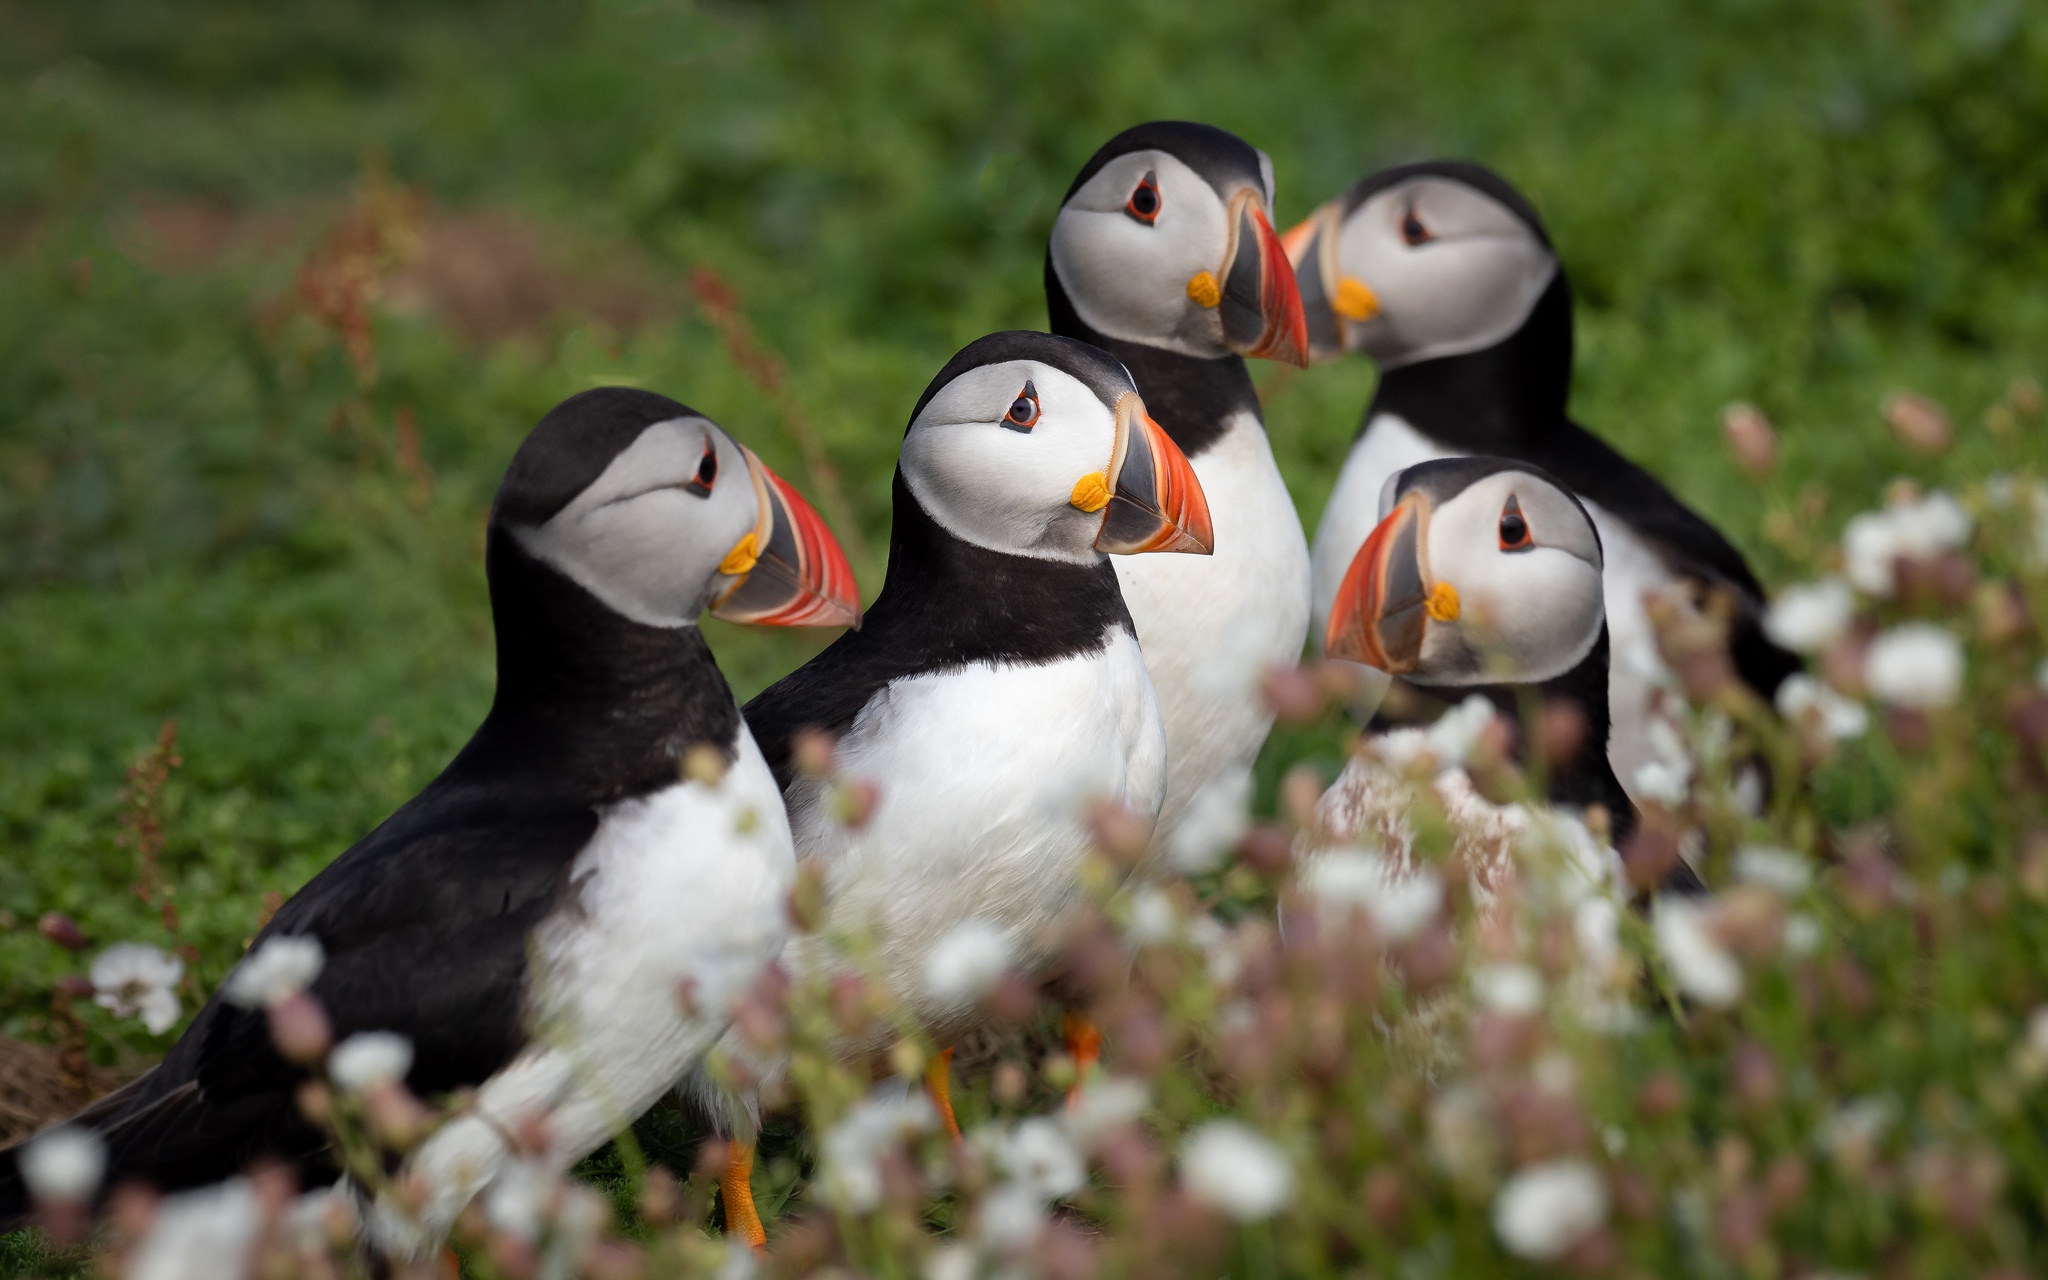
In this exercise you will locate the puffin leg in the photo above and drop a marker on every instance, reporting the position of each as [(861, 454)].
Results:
[(1084, 1046), (736, 1192), (938, 1082)]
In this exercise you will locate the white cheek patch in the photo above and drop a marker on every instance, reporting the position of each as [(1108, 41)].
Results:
[(1128, 280), (1469, 288), (1524, 616), (1009, 490)]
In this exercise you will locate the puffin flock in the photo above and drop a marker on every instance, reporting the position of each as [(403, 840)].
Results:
[(1093, 559)]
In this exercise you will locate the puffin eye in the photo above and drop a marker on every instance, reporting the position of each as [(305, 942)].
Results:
[(707, 473), (1514, 530), (1413, 231), (1023, 414), (1144, 202)]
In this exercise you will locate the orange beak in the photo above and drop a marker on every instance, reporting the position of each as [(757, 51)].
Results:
[(1381, 609), (1155, 503), (789, 571), (1312, 248), (1261, 305)]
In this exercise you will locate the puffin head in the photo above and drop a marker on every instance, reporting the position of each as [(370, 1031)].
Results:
[(1039, 446), (1164, 240), (1482, 571), (654, 510), (1420, 262)]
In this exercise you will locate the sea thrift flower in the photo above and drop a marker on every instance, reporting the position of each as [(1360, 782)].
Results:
[(850, 1153), (1039, 1156), (368, 1060), (1231, 1167), (1916, 665), (1011, 1216), (1508, 988), (64, 1166), (1103, 1104), (966, 964), (1803, 699), (1215, 821), (1661, 782), (281, 966), (1914, 530), (1810, 617), (1545, 1209), (131, 980), (200, 1235), (1700, 966), (1780, 870), (1399, 903)]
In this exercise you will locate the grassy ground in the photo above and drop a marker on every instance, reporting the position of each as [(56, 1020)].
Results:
[(223, 504)]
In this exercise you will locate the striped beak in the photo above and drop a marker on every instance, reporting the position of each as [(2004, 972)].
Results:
[(1382, 608), (1312, 248), (1261, 304), (788, 571), (1155, 502)]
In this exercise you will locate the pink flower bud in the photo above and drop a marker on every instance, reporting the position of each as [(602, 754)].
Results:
[(1750, 439)]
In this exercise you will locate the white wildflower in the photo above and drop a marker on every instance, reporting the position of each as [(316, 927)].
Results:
[(200, 1235), (1810, 617), (1851, 1133), (1916, 665), (64, 1166), (516, 1204), (282, 966), (966, 964), (1782, 871), (1351, 878), (1802, 936), (1457, 731), (1514, 989), (1215, 820), (368, 1060), (1218, 947), (955, 1261), (1103, 1104), (1230, 1167), (579, 1217), (1700, 965), (1153, 916), (1038, 1155), (1545, 1209), (1802, 698), (739, 1261), (1664, 783), (1011, 1216), (1463, 1137), (131, 980), (1912, 530), (850, 1152)]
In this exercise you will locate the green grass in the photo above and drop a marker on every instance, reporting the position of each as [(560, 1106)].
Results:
[(204, 510)]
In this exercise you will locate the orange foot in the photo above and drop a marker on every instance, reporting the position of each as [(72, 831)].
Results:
[(1084, 1046), (938, 1082), (736, 1189)]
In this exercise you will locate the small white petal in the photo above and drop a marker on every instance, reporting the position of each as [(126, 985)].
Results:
[(282, 966), (64, 1166), (1916, 665), (1038, 1155), (1655, 780), (1545, 1209), (1400, 903), (1103, 1104), (200, 1235), (1514, 989), (1212, 825), (1702, 968), (131, 980), (1803, 698), (1154, 918), (369, 1059), (1810, 617), (1231, 1167), (1781, 871), (966, 964)]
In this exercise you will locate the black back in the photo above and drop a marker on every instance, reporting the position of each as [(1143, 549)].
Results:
[(425, 922)]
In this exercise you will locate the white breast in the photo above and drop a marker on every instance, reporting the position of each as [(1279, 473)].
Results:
[(1637, 676), (683, 889), (985, 776), (1212, 625)]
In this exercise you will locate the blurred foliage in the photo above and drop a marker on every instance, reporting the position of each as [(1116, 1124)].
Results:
[(281, 287)]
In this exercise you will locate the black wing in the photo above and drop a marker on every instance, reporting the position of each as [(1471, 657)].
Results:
[(425, 924), (1688, 544)]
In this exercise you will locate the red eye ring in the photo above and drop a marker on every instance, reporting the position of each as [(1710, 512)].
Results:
[(1514, 528), (1145, 203), (707, 472), (1413, 232), (1023, 412)]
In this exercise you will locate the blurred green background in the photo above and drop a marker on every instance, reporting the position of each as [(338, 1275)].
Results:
[(283, 285)]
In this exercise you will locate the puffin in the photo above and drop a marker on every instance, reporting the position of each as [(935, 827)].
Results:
[(1163, 254), (995, 692), (1443, 274), (1484, 578), (610, 832)]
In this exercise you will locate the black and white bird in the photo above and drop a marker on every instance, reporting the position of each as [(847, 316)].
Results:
[(1443, 274), (1483, 576), (1163, 255), (996, 689), (610, 831)]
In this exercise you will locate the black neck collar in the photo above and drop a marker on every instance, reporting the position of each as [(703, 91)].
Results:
[(1496, 399), (1193, 398), (590, 704)]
